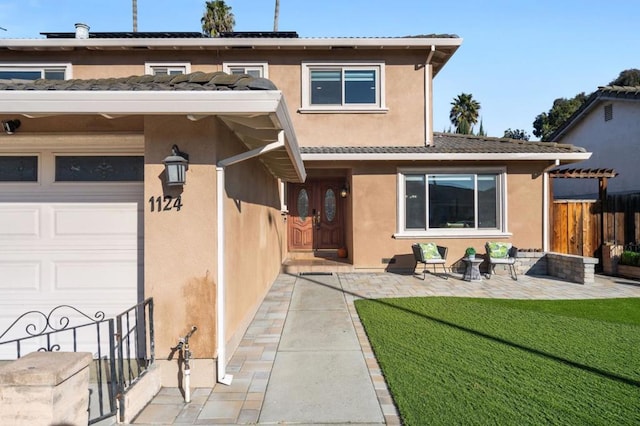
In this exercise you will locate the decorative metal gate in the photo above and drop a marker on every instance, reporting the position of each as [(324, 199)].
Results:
[(122, 347)]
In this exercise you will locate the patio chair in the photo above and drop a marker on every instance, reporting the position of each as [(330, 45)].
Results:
[(501, 254), (431, 254)]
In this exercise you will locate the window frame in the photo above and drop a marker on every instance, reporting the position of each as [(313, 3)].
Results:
[(500, 231), (378, 107), (24, 182), (42, 67), (150, 66), (58, 181), (263, 67)]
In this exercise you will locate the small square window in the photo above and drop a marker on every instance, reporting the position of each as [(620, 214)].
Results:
[(35, 72), (167, 68), (254, 69)]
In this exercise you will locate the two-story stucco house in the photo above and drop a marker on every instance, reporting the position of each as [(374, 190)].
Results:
[(294, 146), (608, 125)]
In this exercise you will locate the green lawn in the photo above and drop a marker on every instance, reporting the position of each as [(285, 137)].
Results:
[(465, 361)]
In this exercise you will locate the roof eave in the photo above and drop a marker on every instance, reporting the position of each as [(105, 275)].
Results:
[(565, 158), (187, 103)]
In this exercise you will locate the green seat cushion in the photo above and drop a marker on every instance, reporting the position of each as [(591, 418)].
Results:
[(430, 251), (498, 250)]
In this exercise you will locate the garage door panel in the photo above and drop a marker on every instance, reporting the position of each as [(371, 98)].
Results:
[(19, 222), (21, 276), (95, 220), (95, 274)]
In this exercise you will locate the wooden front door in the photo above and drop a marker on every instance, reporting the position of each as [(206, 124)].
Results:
[(316, 215)]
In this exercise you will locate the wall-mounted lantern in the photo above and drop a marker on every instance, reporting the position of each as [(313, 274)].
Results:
[(175, 167), (344, 191)]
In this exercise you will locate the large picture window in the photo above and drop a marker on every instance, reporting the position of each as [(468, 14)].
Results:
[(341, 87), (451, 202)]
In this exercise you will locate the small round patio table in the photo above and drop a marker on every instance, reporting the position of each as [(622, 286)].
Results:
[(472, 271)]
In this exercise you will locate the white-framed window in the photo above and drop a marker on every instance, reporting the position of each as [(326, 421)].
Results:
[(342, 87), (254, 69), (35, 71), (167, 68), (452, 202)]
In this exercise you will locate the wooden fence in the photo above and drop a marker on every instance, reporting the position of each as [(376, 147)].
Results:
[(579, 226)]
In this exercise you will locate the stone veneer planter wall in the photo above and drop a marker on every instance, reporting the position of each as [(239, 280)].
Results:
[(578, 269), (610, 266)]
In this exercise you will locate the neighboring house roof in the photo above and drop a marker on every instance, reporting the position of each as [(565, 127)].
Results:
[(453, 147), (440, 47), (252, 108), (603, 94)]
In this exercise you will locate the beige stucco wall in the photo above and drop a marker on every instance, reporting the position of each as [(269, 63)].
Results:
[(181, 246), (373, 214), (401, 124)]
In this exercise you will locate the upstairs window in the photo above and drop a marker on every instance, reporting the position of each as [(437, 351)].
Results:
[(167, 68), (35, 72), (254, 69), (341, 87)]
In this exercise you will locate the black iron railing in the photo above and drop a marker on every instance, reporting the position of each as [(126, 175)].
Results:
[(122, 347)]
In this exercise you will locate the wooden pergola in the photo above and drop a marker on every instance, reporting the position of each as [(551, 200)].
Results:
[(602, 175)]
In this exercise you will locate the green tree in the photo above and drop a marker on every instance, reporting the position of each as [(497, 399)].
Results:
[(217, 18), (630, 77), (516, 134), (481, 131), (548, 122), (464, 113)]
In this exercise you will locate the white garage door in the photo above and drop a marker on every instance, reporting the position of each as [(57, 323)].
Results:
[(71, 240)]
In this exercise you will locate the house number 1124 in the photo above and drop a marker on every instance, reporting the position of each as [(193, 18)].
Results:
[(165, 204)]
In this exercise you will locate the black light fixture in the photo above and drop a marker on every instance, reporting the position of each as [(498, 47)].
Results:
[(10, 126), (175, 167), (345, 190)]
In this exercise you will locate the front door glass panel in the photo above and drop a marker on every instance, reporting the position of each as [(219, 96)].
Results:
[(330, 205), (303, 204)]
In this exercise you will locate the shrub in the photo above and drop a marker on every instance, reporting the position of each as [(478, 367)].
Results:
[(630, 258)]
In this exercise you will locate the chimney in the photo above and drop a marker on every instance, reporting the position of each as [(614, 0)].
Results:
[(82, 31)]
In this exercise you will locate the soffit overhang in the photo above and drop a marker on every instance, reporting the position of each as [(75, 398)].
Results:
[(256, 117)]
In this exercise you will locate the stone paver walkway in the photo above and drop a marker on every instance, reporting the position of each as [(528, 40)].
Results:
[(252, 365)]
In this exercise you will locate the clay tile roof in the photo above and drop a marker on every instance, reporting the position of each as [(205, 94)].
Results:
[(447, 143), (193, 81)]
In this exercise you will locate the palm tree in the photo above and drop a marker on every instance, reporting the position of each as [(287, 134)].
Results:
[(276, 14), (217, 18), (464, 113)]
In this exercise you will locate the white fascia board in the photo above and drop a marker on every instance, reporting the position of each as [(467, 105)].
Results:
[(291, 141), (183, 102), (577, 156), (227, 43)]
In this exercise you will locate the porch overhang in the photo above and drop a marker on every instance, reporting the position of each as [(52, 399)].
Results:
[(256, 117)]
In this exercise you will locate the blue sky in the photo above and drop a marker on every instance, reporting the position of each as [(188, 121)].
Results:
[(515, 59)]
